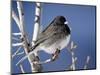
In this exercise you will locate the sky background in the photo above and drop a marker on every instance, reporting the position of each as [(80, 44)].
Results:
[(82, 22)]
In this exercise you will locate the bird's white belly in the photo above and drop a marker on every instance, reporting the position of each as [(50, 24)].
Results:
[(57, 45)]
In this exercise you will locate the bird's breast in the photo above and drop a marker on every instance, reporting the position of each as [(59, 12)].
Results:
[(60, 44)]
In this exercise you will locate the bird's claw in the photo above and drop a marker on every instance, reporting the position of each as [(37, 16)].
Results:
[(55, 55)]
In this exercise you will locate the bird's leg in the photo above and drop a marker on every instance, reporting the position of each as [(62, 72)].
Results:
[(55, 55), (36, 60)]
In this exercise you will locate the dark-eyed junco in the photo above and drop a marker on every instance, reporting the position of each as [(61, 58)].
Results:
[(53, 38)]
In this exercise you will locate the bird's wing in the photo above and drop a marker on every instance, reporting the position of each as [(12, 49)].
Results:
[(46, 32), (49, 31)]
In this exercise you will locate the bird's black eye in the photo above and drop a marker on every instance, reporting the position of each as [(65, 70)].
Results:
[(62, 19)]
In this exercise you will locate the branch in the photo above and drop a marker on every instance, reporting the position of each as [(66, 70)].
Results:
[(34, 67), (71, 66), (17, 44), (16, 19), (15, 39), (37, 22), (21, 17), (36, 31)]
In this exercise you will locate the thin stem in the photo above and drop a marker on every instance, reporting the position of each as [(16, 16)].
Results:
[(20, 53), (16, 52), (21, 67), (15, 39), (87, 62), (16, 19), (16, 34)]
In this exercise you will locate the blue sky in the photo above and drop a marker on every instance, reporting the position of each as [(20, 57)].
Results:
[(82, 22)]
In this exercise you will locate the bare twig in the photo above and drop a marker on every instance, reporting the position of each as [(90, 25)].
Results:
[(16, 52), (15, 39), (25, 39), (17, 44), (72, 66), (21, 67), (20, 53), (16, 19), (16, 34), (87, 62), (71, 50), (37, 22)]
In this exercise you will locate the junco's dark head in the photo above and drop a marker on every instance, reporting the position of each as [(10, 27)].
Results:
[(60, 20)]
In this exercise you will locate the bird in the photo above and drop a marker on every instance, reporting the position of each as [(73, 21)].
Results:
[(54, 38)]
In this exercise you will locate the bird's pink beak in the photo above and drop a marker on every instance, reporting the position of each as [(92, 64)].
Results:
[(66, 22)]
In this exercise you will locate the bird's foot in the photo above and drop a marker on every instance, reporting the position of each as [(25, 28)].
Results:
[(55, 55), (36, 60)]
